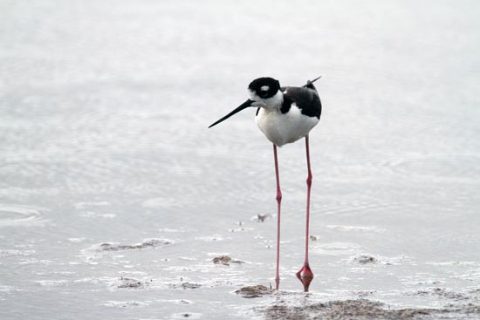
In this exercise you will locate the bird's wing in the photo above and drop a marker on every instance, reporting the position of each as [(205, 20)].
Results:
[(306, 99)]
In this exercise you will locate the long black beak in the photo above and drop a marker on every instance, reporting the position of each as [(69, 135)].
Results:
[(244, 105)]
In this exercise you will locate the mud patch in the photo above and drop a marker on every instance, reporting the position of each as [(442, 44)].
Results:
[(253, 291), (365, 309)]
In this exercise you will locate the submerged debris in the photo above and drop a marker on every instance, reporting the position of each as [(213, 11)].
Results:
[(148, 243), (364, 259), (130, 283), (261, 217), (253, 291), (225, 260), (188, 285), (185, 285)]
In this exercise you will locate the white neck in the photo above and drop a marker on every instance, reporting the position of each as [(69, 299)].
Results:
[(271, 103)]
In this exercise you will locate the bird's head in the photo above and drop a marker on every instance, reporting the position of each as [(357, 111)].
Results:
[(264, 92)]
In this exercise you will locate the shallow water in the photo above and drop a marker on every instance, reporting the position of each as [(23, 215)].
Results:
[(115, 198)]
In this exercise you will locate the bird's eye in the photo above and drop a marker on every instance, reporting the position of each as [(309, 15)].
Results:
[(264, 88)]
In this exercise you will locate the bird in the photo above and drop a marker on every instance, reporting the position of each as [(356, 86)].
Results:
[(285, 115)]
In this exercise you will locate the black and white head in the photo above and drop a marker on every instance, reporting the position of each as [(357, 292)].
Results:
[(264, 89), (264, 92)]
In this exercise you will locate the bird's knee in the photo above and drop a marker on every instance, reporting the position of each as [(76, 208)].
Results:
[(309, 180), (279, 196)]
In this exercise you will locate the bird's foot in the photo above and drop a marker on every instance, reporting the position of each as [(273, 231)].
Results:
[(305, 275)]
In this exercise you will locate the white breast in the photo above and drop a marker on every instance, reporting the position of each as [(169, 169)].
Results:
[(281, 128)]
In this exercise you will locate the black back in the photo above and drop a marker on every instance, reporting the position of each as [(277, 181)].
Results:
[(305, 98)]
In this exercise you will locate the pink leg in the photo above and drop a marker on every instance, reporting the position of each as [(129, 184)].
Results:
[(279, 201), (305, 275)]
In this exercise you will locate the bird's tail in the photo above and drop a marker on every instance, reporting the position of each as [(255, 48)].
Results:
[(310, 83)]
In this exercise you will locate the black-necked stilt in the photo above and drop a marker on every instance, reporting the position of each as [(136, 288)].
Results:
[(285, 115)]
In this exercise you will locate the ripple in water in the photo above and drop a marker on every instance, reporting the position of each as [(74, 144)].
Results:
[(338, 248), (18, 215), (446, 166)]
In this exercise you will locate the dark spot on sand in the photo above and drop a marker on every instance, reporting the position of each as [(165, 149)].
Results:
[(364, 259), (313, 238), (253, 291)]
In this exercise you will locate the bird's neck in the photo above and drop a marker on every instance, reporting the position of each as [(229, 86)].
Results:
[(275, 102)]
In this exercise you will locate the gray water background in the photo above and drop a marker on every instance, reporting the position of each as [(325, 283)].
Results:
[(104, 108)]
